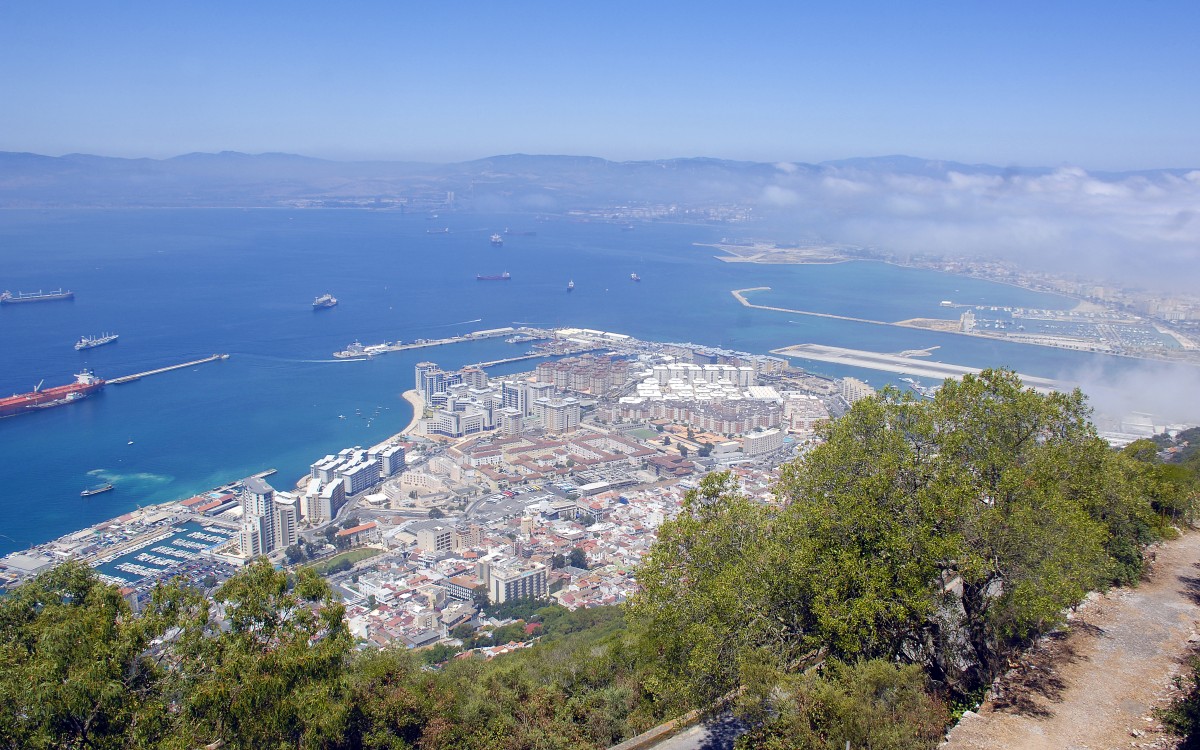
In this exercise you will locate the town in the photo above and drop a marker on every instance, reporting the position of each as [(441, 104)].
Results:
[(546, 485)]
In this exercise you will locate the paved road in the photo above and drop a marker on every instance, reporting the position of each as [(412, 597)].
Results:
[(716, 734)]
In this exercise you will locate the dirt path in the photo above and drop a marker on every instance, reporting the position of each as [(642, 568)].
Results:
[(1096, 685)]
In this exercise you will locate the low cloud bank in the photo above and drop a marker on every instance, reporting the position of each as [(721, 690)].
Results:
[(1138, 228)]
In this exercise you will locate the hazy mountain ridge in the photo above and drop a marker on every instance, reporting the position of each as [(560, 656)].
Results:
[(546, 182)]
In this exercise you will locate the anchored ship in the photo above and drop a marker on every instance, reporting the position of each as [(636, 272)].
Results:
[(96, 490), (8, 298), (324, 301), (493, 277), (91, 342), (22, 403), (497, 240)]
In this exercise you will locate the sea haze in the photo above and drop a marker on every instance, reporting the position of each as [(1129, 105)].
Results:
[(180, 284)]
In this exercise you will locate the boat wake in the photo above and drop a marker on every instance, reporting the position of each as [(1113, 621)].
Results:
[(140, 477)]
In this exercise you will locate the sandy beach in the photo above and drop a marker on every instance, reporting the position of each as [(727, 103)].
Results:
[(418, 405)]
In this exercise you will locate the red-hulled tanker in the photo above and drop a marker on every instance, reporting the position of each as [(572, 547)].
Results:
[(22, 403)]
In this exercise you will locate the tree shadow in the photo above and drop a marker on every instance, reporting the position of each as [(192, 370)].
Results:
[(1034, 683), (1191, 587), (722, 732)]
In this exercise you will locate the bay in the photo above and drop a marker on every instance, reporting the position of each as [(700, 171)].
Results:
[(178, 285)]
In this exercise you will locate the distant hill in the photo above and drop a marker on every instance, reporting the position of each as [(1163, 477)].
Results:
[(512, 181)]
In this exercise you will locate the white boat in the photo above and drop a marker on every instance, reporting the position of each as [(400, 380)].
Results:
[(89, 342)]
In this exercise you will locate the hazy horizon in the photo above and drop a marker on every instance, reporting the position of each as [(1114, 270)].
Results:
[(1021, 84)]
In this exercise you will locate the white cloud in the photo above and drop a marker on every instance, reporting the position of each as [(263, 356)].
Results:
[(1136, 228)]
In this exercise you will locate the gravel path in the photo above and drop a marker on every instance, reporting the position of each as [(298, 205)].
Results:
[(1095, 686)]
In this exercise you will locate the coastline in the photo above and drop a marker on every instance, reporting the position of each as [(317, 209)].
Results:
[(418, 406)]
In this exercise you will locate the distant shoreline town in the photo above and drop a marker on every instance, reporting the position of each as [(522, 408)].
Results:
[(1106, 320)]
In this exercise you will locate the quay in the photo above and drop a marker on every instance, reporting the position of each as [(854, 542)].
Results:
[(140, 375), (358, 351), (538, 355), (902, 365)]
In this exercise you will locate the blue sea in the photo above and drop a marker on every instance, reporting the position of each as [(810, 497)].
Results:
[(178, 285)]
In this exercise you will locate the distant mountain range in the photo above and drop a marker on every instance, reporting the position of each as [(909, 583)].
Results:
[(514, 182)]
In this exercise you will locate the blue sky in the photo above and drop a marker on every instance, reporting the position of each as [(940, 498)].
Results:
[(1102, 85)]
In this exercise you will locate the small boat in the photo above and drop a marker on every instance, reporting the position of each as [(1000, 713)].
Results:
[(570, 285), (96, 490), (129, 443), (634, 277), (497, 240)]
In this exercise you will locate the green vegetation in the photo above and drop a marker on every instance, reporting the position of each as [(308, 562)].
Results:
[(81, 671), (1182, 717), (911, 554), (944, 534), (343, 561)]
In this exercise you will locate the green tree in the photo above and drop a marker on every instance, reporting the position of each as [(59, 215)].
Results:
[(276, 676), (873, 704), (78, 668), (436, 513), (294, 554), (704, 611), (944, 532), (577, 559)]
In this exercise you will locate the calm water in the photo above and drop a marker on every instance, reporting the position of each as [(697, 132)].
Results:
[(180, 285)]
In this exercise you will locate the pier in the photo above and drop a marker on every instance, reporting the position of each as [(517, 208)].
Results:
[(140, 375), (358, 351)]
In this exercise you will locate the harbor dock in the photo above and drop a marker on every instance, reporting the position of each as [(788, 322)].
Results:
[(140, 375)]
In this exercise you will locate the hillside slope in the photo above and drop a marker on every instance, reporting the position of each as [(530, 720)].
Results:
[(1095, 687)]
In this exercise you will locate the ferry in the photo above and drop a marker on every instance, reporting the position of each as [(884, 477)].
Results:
[(96, 490), (90, 342), (325, 301)]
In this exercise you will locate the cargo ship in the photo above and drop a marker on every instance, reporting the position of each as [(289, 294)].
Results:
[(497, 240), (96, 490), (91, 342), (493, 277), (513, 233), (22, 403), (8, 298), (324, 302)]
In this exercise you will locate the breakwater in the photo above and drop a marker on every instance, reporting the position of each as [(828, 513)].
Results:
[(148, 373)]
